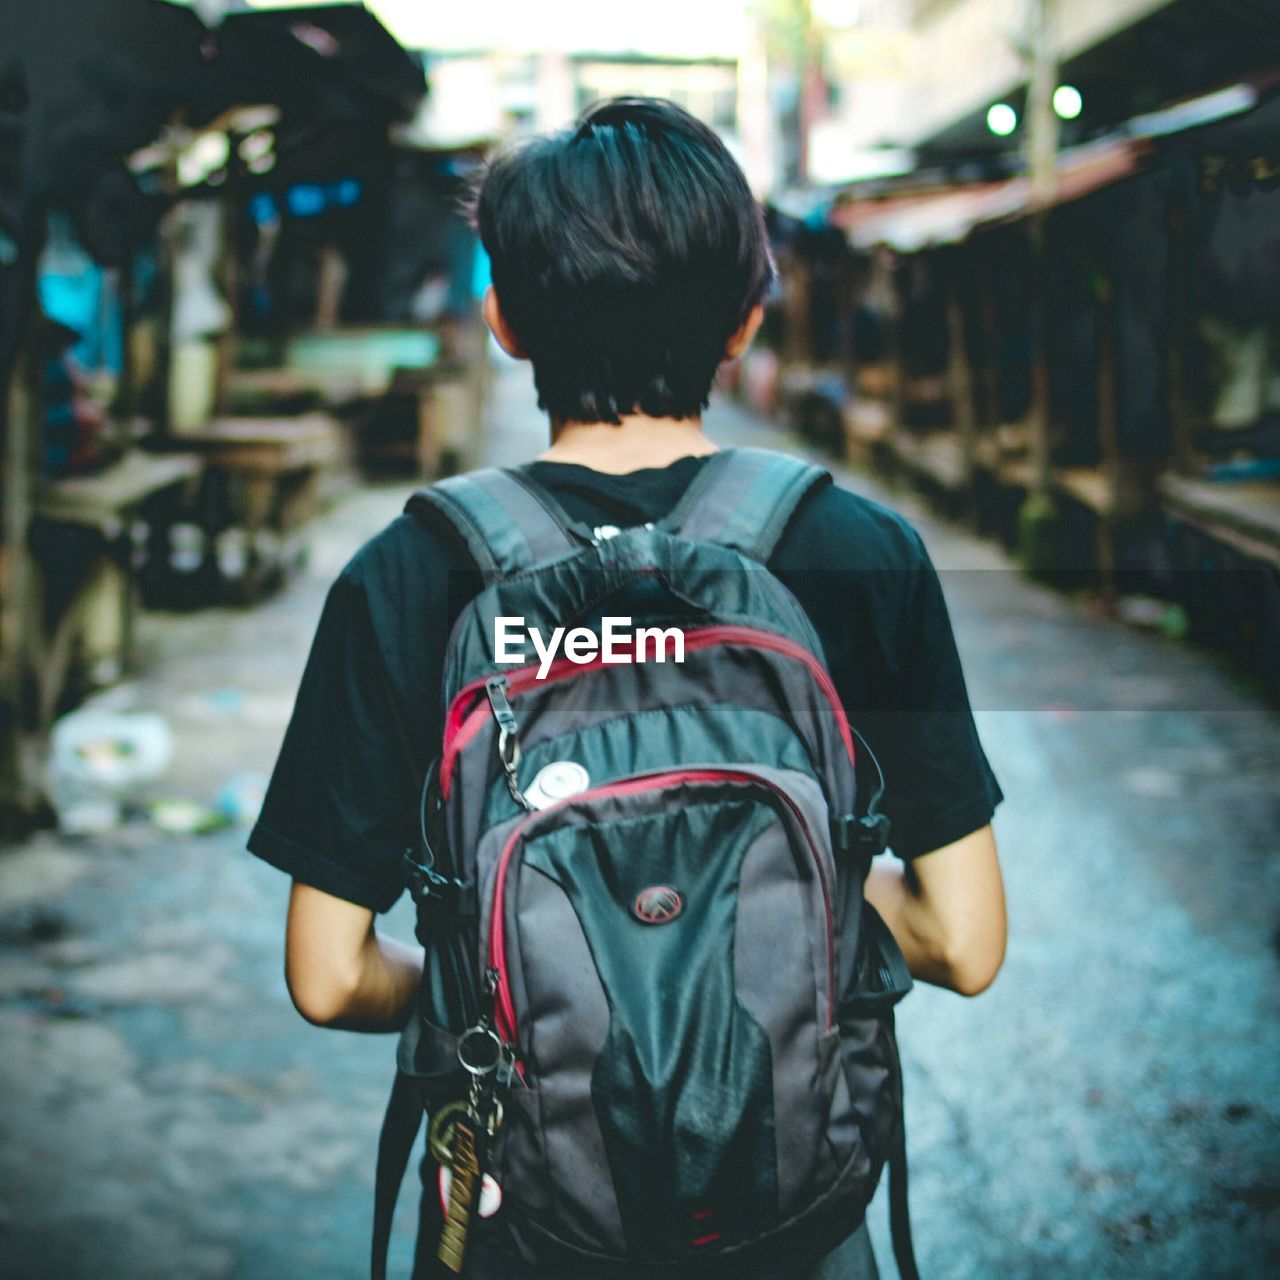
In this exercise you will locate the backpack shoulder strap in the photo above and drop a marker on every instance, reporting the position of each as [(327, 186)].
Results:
[(506, 521), (400, 1128), (743, 498)]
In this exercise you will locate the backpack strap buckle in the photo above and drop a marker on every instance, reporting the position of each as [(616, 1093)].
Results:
[(437, 895), (864, 836)]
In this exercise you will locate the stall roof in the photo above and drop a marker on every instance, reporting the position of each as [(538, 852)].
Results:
[(914, 222), (285, 49), (918, 220)]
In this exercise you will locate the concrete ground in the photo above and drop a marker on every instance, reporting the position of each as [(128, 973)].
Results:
[(1108, 1109)]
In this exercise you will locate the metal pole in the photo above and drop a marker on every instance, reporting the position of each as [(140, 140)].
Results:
[(1038, 517), (1042, 120), (1042, 147)]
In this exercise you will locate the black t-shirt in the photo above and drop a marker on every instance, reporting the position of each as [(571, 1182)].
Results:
[(368, 720)]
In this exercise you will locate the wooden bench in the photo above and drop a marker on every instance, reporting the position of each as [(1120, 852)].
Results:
[(264, 479), (1245, 515), (275, 392), (936, 457), (408, 394), (87, 585)]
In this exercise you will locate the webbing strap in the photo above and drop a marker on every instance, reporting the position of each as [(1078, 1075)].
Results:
[(395, 1147), (743, 498), (506, 525), (899, 1213)]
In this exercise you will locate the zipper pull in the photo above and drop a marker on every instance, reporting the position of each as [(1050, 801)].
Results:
[(509, 1070), (495, 689)]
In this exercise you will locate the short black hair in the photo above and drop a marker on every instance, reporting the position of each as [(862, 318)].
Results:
[(625, 253)]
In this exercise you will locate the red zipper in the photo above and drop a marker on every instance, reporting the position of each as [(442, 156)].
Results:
[(465, 718), (504, 1006)]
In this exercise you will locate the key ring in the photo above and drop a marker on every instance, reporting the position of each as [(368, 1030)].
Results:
[(479, 1051)]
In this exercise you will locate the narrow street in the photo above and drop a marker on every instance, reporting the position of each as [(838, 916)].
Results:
[(1108, 1109)]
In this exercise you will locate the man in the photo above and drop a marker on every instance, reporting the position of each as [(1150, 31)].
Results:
[(629, 259)]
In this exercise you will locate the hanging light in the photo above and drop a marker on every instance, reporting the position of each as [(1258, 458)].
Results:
[(1068, 101), (201, 157), (256, 145), (1002, 119)]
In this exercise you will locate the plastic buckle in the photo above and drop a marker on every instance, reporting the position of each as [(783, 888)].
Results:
[(416, 877), (867, 835), (871, 832), (423, 880), (439, 894)]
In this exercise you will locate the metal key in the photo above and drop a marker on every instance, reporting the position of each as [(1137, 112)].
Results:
[(440, 1132), (464, 1193)]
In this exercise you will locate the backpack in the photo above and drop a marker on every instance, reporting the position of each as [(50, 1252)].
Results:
[(650, 968)]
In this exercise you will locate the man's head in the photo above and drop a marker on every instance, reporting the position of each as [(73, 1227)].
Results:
[(629, 257)]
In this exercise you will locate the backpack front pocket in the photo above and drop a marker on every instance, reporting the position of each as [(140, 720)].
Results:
[(664, 954)]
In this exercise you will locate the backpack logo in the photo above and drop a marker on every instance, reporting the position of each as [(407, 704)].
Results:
[(658, 904)]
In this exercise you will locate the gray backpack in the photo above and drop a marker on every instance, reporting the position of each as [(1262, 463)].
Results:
[(655, 1034)]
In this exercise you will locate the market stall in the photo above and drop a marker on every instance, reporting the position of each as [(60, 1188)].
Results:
[(1221, 494), (129, 151)]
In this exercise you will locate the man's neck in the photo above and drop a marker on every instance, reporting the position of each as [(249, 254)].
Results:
[(639, 442)]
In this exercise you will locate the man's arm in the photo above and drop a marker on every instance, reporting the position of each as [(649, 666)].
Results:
[(946, 910), (340, 973)]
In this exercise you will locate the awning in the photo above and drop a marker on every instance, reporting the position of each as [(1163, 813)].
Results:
[(337, 59), (106, 76), (912, 223)]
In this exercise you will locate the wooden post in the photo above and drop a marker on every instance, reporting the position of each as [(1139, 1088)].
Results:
[(1178, 339), (19, 790), (1042, 145), (1108, 433), (227, 277), (846, 303), (810, 107), (797, 343), (991, 341), (126, 398), (1038, 518), (20, 413), (960, 379), (166, 293), (897, 360)]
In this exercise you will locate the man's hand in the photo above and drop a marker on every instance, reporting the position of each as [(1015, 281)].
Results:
[(339, 972), (946, 910)]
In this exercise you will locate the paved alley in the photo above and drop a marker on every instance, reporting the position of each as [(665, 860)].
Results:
[(1111, 1108)]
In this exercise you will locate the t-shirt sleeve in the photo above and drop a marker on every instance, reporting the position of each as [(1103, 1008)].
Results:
[(939, 785), (338, 812)]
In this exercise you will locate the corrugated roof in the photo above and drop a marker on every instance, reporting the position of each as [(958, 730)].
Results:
[(911, 223)]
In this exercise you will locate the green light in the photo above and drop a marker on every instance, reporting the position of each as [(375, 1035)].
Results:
[(1067, 101), (1002, 119)]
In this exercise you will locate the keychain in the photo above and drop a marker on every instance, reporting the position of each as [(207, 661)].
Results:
[(459, 1138)]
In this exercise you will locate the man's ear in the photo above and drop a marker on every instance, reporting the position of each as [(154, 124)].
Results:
[(499, 327), (745, 333)]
